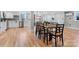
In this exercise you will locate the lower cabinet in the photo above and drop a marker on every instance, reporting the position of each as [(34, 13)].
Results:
[(13, 24), (3, 26)]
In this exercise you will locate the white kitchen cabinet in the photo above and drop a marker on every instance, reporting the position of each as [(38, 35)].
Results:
[(13, 24), (2, 26)]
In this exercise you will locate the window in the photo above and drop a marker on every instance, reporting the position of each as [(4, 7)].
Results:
[(77, 15), (16, 17)]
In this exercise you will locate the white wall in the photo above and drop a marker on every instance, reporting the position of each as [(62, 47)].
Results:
[(47, 16), (73, 22)]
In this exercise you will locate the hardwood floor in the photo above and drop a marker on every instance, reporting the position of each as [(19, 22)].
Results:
[(19, 37), (71, 38), (23, 37)]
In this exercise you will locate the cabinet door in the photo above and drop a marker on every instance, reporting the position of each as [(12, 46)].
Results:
[(2, 26), (13, 24)]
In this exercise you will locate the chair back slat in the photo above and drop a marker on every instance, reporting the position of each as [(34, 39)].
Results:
[(59, 28)]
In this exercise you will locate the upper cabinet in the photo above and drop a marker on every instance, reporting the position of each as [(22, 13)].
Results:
[(9, 15), (69, 15)]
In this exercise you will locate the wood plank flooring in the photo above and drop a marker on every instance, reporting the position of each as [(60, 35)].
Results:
[(23, 37), (19, 37)]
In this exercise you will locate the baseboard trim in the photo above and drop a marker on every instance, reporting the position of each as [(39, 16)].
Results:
[(72, 28)]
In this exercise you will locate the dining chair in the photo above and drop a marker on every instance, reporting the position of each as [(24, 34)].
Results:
[(48, 29), (57, 33), (43, 32), (37, 27)]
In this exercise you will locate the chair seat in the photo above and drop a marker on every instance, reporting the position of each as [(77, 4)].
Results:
[(57, 34)]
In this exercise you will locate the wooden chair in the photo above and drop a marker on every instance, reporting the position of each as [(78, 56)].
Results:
[(37, 27), (43, 32), (58, 32), (49, 29)]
